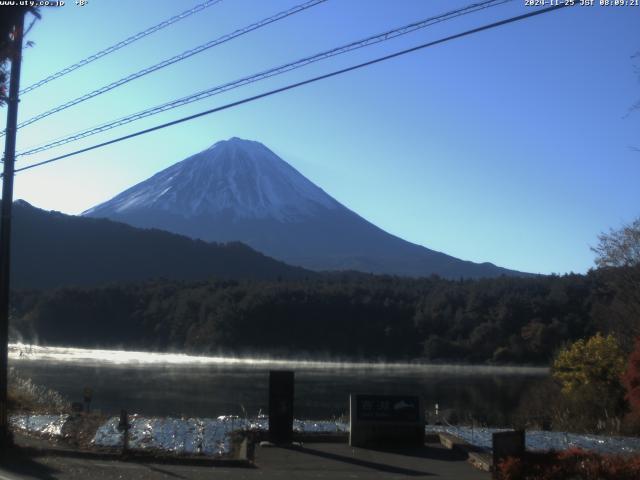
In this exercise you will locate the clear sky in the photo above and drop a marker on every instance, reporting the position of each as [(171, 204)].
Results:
[(511, 146)]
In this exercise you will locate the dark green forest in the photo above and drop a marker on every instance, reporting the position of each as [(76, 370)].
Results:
[(502, 320)]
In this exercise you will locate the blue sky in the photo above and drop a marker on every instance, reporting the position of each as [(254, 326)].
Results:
[(511, 146)]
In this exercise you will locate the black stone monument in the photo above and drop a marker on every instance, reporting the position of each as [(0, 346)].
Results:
[(281, 406)]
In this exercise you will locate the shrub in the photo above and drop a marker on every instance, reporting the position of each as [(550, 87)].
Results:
[(589, 372), (573, 463)]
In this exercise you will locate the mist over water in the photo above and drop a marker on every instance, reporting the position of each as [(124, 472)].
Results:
[(178, 384), (19, 351)]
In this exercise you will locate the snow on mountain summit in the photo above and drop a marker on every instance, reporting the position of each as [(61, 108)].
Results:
[(236, 176)]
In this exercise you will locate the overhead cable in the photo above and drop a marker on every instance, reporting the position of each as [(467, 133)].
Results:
[(381, 37), (177, 58), (121, 44), (299, 84)]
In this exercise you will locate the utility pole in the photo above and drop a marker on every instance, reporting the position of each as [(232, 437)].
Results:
[(5, 223)]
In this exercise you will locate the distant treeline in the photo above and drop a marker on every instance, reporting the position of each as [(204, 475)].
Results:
[(502, 320)]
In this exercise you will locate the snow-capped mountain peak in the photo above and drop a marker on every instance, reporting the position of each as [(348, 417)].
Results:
[(239, 177)]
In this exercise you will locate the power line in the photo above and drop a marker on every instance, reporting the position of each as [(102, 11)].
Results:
[(299, 84), (121, 44), (177, 58), (381, 37)]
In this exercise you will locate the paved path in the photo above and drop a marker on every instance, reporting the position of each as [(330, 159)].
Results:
[(312, 461)]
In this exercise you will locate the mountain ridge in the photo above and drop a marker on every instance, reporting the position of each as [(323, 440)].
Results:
[(52, 249), (240, 190)]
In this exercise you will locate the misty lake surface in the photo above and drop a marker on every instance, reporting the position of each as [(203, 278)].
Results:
[(170, 384)]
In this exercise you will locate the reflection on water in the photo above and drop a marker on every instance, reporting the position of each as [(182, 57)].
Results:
[(174, 384)]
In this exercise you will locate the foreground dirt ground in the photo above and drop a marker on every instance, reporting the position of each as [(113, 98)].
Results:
[(310, 461)]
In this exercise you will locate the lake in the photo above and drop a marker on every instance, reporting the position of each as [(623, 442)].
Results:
[(157, 384)]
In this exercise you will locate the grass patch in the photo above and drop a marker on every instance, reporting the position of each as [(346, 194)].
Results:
[(25, 396)]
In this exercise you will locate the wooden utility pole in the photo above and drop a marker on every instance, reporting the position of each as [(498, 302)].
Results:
[(5, 222)]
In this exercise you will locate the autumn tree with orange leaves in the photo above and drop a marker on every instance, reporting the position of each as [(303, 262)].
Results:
[(631, 383)]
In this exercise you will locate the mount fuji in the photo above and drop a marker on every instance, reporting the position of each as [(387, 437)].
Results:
[(239, 190)]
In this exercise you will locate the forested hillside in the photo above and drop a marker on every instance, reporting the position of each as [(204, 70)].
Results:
[(51, 249), (503, 320)]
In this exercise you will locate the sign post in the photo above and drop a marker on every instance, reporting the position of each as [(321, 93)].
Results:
[(124, 426), (87, 394)]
